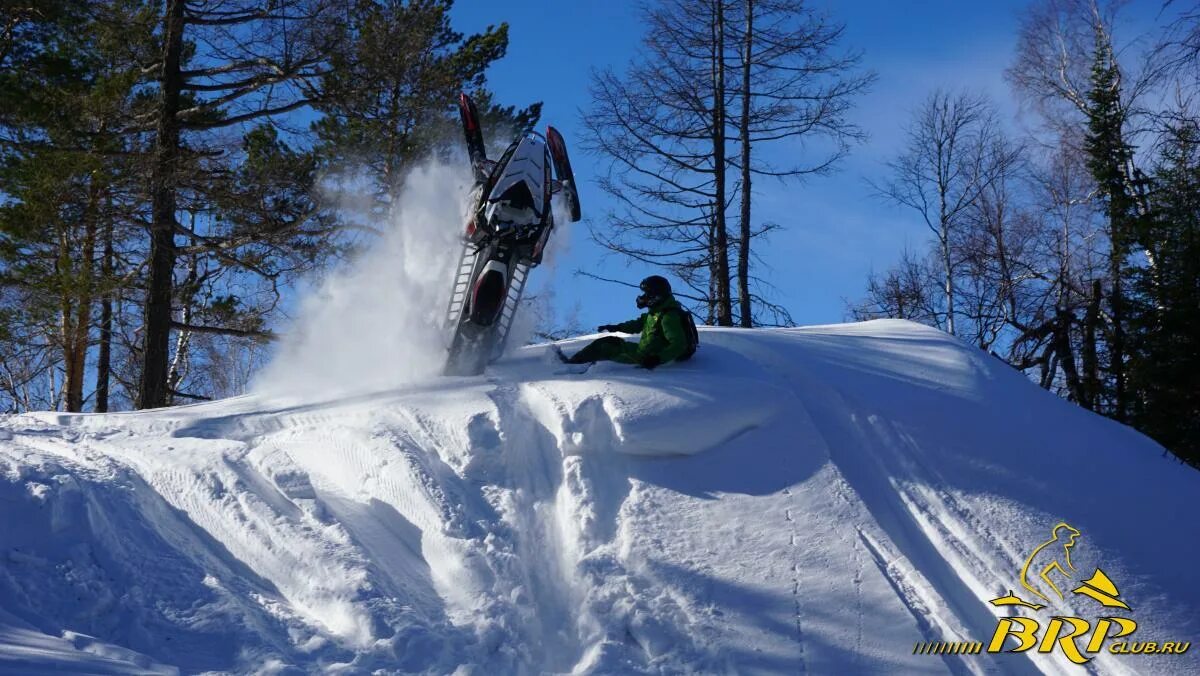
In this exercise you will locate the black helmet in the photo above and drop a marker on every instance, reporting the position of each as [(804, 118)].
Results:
[(654, 289)]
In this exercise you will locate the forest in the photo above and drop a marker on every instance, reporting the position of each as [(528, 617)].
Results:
[(1071, 251), (164, 171)]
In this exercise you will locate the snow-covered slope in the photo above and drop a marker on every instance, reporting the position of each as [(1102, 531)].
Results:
[(818, 499)]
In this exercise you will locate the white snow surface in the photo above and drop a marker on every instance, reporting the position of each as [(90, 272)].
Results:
[(794, 500)]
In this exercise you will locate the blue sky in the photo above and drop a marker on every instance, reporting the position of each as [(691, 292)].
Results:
[(834, 231)]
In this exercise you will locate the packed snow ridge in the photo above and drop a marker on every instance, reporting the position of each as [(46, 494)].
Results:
[(818, 499)]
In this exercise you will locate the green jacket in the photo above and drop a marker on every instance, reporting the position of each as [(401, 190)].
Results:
[(663, 332)]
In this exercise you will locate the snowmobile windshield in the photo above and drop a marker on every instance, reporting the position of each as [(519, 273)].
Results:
[(518, 193), (513, 208)]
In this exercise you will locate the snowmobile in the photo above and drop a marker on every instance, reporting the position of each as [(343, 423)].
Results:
[(510, 220)]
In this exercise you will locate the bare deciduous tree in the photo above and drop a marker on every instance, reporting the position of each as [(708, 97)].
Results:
[(796, 84), (994, 245), (909, 290), (661, 126), (942, 172), (1178, 51), (711, 74)]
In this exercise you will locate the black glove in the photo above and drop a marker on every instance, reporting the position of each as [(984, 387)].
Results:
[(650, 361), (606, 328)]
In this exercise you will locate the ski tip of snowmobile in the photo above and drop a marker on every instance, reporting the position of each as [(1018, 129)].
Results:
[(474, 135), (562, 167)]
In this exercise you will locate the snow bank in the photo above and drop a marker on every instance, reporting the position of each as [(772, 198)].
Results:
[(816, 499)]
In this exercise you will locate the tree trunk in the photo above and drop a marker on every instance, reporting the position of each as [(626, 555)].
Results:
[(153, 391), (184, 337), (1066, 357), (1091, 367), (66, 331), (743, 269), (104, 358), (713, 291), (943, 235), (949, 282), (77, 345), (1117, 308), (724, 300)]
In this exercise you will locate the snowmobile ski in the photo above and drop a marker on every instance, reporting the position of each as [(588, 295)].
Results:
[(562, 167), (471, 129)]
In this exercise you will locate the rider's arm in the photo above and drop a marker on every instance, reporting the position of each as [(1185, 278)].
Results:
[(633, 325)]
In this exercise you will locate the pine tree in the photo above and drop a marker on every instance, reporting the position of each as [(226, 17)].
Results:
[(1165, 311), (136, 233), (389, 96), (66, 98), (1110, 160)]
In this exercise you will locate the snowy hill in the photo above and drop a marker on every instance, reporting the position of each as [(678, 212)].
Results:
[(818, 499)]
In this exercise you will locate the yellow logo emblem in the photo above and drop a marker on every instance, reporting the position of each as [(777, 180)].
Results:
[(1054, 556), (1046, 574)]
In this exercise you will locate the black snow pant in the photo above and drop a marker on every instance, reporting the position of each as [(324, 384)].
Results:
[(608, 348)]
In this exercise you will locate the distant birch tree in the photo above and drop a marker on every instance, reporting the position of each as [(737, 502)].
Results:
[(942, 172)]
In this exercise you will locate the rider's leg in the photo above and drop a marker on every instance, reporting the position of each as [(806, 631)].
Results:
[(601, 349)]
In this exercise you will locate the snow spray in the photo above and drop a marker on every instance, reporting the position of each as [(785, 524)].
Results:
[(379, 321)]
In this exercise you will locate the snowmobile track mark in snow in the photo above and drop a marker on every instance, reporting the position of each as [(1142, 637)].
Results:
[(911, 598), (863, 462)]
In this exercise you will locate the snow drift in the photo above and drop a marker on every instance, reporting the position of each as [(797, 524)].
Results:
[(818, 499)]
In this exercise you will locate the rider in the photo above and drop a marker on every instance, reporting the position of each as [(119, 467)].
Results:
[(665, 335)]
